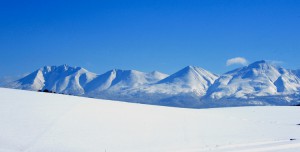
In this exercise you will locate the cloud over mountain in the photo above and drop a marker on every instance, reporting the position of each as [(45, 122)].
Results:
[(236, 60)]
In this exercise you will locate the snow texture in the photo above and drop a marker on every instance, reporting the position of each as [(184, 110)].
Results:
[(36, 121)]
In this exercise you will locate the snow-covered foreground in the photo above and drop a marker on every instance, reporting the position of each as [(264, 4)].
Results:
[(41, 122)]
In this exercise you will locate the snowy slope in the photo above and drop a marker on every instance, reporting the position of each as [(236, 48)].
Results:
[(35, 122), (259, 79)]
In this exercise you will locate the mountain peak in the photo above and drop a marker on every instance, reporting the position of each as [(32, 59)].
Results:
[(64, 66), (60, 68), (189, 67), (261, 78), (260, 62), (263, 64), (191, 78), (157, 73), (193, 71), (114, 70)]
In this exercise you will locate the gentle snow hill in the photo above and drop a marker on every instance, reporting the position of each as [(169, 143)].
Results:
[(257, 80), (36, 121)]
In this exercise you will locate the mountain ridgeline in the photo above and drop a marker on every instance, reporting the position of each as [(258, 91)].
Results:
[(260, 83)]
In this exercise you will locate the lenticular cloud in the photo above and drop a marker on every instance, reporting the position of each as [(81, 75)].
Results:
[(237, 60)]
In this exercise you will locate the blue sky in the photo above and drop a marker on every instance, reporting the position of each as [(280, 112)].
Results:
[(147, 35)]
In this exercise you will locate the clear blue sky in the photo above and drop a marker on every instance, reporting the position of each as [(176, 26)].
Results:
[(147, 35)]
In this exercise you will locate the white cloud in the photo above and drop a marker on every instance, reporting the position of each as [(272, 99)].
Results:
[(237, 60)]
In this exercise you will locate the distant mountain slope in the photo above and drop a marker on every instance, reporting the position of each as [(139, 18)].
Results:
[(255, 80)]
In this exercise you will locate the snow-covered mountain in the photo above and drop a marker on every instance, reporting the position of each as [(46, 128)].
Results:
[(259, 83), (190, 79), (60, 79), (181, 89), (189, 83), (127, 85), (123, 79), (121, 84), (79, 81), (259, 79)]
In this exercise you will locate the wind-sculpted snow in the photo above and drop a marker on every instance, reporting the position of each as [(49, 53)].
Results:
[(45, 122), (260, 83)]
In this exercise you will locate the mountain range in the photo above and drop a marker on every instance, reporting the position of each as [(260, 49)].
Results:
[(259, 83)]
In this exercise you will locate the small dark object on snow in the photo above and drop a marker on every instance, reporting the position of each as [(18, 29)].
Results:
[(46, 90), (292, 139), (298, 124)]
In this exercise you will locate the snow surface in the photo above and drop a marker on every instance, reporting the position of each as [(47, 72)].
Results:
[(36, 121)]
